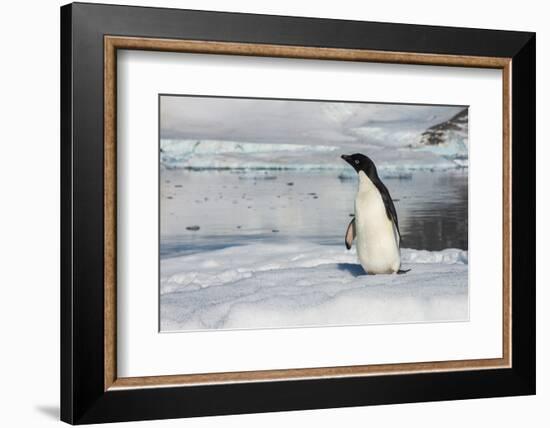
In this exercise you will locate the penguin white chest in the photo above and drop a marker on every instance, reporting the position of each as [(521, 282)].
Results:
[(377, 240)]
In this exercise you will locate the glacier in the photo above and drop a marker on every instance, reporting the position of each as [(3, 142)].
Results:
[(216, 154)]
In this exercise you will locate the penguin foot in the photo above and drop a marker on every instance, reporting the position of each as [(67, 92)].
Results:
[(402, 271)]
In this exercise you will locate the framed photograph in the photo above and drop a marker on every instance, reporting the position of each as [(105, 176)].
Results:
[(266, 213)]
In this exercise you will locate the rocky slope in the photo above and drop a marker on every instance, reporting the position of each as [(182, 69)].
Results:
[(448, 139)]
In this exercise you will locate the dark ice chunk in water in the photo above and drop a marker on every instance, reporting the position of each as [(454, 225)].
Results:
[(193, 228)]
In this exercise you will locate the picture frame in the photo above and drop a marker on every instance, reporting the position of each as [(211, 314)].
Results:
[(91, 390)]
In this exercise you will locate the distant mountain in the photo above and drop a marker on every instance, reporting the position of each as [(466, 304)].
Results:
[(448, 139), (441, 133)]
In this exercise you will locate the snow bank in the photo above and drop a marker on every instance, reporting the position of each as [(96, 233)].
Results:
[(306, 284)]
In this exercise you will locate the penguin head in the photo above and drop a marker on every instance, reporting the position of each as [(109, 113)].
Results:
[(360, 162)]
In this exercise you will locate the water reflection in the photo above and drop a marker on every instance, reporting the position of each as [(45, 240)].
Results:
[(205, 210), (436, 223)]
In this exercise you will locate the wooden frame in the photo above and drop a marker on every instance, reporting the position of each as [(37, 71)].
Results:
[(513, 53), (112, 43)]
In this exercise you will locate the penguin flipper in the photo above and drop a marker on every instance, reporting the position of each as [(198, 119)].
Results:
[(396, 235), (350, 234), (388, 203)]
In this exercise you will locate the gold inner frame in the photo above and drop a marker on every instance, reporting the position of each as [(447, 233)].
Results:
[(113, 43)]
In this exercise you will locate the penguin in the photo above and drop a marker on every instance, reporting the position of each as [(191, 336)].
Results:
[(375, 224)]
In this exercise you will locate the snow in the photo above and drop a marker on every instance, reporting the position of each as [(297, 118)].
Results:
[(297, 284)]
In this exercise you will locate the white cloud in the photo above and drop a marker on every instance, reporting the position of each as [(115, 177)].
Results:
[(296, 122)]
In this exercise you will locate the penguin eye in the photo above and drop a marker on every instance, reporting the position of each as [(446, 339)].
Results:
[(356, 161)]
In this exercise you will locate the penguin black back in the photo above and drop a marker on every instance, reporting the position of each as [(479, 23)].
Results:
[(360, 162)]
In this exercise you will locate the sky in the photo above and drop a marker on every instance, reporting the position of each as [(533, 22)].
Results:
[(297, 122)]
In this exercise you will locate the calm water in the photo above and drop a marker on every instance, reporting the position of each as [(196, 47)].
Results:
[(206, 210)]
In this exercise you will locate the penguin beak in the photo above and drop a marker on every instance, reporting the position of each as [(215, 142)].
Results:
[(347, 158)]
